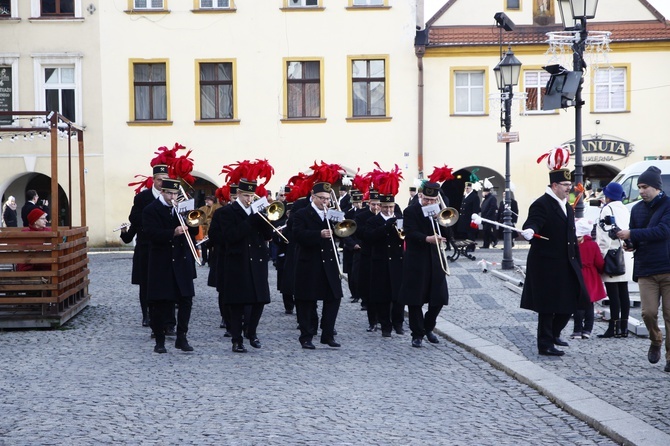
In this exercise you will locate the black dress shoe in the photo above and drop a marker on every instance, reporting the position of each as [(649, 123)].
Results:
[(182, 344), (386, 334), (551, 351), (399, 330), (371, 328), (170, 331), (561, 342), (238, 347), (432, 338), (160, 348), (308, 345), (255, 343), (227, 334), (330, 343), (416, 342)]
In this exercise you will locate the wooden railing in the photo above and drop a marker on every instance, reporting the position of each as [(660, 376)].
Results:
[(56, 289)]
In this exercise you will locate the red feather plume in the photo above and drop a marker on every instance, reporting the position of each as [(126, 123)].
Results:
[(387, 183), (301, 185), (441, 174), (146, 183), (361, 182), (251, 170), (223, 193), (328, 173)]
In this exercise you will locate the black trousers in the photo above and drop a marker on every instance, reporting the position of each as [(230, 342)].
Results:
[(383, 313), (308, 319), (489, 235), (250, 314), (162, 311), (397, 314), (144, 301), (420, 324), (549, 327)]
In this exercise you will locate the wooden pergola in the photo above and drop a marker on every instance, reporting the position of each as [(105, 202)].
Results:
[(55, 293)]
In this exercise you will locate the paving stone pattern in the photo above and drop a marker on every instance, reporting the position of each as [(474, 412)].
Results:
[(97, 380)]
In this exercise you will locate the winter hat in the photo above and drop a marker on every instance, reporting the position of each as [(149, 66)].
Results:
[(35, 215), (614, 192), (583, 227), (651, 177)]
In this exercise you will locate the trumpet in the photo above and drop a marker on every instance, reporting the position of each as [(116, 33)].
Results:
[(122, 227), (274, 211)]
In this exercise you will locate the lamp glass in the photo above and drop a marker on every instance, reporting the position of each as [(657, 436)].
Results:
[(567, 17), (583, 9), (508, 71), (496, 71)]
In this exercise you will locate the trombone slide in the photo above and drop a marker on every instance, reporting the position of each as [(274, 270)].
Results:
[(189, 241)]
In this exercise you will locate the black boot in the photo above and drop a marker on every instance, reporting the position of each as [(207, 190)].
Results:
[(609, 333), (182, 344), (623, 328), (160, 344), (617, 328)]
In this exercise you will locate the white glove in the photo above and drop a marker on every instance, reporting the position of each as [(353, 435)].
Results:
[(528, 233)]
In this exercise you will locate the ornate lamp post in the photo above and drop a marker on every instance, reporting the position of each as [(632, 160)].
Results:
[(507, 76), (574, 14)]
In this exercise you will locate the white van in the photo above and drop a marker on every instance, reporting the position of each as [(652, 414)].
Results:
[(627, 178)]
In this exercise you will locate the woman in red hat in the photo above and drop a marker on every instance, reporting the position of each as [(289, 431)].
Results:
[(37, 221)]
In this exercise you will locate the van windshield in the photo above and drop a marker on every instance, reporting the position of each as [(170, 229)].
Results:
[(630, 187)]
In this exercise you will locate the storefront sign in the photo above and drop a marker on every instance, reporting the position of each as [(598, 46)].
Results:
[(5, 93), (601, 148)]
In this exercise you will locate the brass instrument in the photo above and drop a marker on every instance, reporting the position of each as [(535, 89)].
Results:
[(122, 227), (275, 211), (184, 226), (346, 227), (194, 218), (401, 232), (447, 217)]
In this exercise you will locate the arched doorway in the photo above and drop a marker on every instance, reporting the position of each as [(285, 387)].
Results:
[(454, 189), (42, 184)]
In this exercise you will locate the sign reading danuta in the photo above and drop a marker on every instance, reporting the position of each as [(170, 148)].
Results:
[(602, 145)]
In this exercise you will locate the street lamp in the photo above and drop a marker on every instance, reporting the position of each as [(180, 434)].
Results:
[(574, 14), (507, 76)]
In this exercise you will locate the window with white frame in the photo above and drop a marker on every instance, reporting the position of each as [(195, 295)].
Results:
[(302, 3), (59, 91), (148, 4), (469, 92), (303, 89), (214, 4), (150, 90), (535, 86), (368, 80), (216, 90), (58, 85), (368, 3), (610, 90)]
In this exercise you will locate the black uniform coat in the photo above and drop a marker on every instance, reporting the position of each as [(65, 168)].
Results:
[(470, 205), (141, 252), (554, 282), (423, 280), (386, 259), (216, 246), (348, 243), (245, 256), (362, 218), (316, 273), (288, 276), (168, 255)]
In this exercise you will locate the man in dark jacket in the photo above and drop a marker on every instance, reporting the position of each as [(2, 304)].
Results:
[(141, 251), (386, 255), (423, 280), (245, 264), (171, 266), (31, 203), (363, 290), (470, 205), (554, 286), (489, 211), (650, 234), (316, 269)]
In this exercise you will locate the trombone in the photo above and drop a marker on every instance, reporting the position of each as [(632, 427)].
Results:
[(446, 217), (346, 227), (275, 211), (184, 226)]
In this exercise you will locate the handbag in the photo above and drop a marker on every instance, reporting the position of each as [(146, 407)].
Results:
[(614, 262)]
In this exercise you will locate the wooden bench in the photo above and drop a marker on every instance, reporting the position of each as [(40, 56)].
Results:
[(460, 248)]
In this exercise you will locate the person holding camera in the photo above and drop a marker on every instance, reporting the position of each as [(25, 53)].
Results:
[(615, 215), (650, 236)]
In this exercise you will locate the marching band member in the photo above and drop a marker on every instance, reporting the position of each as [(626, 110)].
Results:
[(141, 251), (364, 270), (171, 266), (245, 264), (386, 248), (423, 280), (316, 271)]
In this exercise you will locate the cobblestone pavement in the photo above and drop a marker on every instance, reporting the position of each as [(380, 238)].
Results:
[(97, 380)]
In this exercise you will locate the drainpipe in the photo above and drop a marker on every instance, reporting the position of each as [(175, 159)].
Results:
[(420, 42)]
